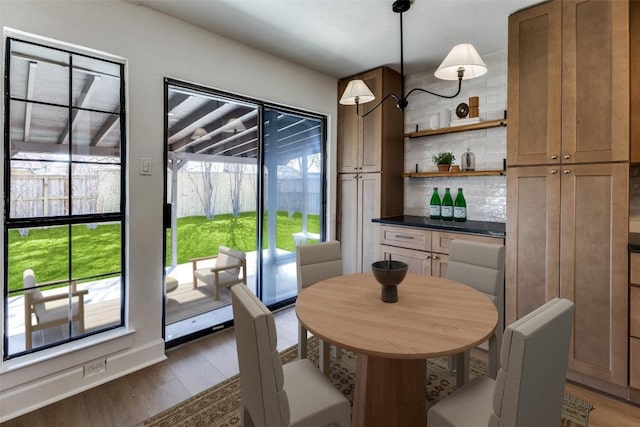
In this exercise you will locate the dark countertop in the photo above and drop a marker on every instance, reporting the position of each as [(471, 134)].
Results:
[(634, 242), (496, 229)]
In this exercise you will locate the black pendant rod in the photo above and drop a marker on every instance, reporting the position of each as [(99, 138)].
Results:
[(402, 102), (401, 6)]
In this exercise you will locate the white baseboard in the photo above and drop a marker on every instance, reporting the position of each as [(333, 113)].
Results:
[(41, 392)]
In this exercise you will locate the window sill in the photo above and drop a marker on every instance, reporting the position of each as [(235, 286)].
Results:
[(46, 362)]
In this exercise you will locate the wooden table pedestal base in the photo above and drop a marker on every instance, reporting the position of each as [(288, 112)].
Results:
[(389, 392)]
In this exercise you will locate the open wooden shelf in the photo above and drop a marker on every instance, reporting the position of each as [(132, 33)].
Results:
[(453, 174), (453, 129)]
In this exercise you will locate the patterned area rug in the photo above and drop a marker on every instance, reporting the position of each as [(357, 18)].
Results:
[(219, 406)]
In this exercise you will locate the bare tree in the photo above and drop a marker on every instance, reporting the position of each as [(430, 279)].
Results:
[(207, 195), (236, 172)]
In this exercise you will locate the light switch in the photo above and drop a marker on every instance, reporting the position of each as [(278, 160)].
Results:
[(145, 166)]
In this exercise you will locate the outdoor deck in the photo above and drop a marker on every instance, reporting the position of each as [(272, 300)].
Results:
[(187, 309)]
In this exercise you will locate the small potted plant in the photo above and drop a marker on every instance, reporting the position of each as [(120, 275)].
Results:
[(443, 161)]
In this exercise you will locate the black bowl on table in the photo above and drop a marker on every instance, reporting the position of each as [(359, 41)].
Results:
[(389, 274)]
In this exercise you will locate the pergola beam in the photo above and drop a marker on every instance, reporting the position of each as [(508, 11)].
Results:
[(87, 90), (31, 87)]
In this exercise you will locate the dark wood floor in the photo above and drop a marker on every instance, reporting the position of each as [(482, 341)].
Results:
[(195, 366)]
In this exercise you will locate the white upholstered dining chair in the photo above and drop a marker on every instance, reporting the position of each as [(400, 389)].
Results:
[(272, 394), (529, 388), (481, 266), (314, 263)]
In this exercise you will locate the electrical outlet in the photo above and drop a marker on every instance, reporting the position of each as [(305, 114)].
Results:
[(95, 367)]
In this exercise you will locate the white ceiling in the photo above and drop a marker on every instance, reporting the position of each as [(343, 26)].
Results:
[(344, 37)]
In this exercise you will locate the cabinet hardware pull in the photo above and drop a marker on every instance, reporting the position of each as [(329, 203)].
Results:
[(401, 236), (434, 257), (553, 157), (427, 257), (553, 171), (566, 156), (566, 171)]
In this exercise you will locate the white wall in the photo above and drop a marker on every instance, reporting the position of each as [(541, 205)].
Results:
[(155, 46), (486, 197)]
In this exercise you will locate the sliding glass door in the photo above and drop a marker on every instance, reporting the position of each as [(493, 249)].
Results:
[(293, 202), (240, 175)]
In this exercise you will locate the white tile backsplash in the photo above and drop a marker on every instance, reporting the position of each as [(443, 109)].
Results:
[(485, 196)]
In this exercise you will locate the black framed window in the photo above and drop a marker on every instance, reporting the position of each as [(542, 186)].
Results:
[(64, 195)]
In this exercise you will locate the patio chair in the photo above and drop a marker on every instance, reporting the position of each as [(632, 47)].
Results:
[(48, 314), (230, 268)]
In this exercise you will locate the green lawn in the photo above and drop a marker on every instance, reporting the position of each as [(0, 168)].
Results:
[(198, 236), (96, 251)]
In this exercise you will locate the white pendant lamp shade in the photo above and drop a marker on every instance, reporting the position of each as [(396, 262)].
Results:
[(356, 90), (462, 56)]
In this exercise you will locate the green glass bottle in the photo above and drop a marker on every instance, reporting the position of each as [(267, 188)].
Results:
[(447, 206), (460, 207), (434, 205)]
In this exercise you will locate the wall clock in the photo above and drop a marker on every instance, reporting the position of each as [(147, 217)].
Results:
[(462, 110)]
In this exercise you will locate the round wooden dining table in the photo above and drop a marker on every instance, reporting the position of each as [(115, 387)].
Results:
[(433, 317)]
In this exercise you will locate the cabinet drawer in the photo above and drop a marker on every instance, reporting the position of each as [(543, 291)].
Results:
[(441, 241), (634, 363), (635, 268), (634, 312), (412, 238), (419, 262)]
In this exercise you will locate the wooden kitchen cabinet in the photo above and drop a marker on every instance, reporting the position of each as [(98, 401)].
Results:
[(634, 354), (425, 251), (579, 49), (370, 167), (532, 259), (594, 266), (634, 311), (363, 143), (534, 75), (634, 326), (568, 151), (567, 237), (361, 193)]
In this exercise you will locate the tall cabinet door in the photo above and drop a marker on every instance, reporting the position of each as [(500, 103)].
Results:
[(359, 139), (534, 72), (369, 194), (348, 220), (595, 74), (594, 269), (358, 233), (533, 233)]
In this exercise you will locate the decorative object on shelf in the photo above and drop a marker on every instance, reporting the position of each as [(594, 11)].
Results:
[(474, 104), (462, 110), (460, 207), (435, 205), (463, 62), (389, 274), (447, 206), (443, 160), (455, 168), (445, 118), (467, 121), (468, 161), (434, 122)]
